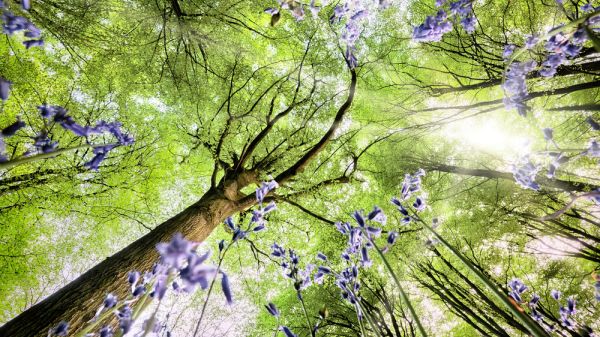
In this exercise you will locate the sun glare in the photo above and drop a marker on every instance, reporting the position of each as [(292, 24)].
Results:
[(487, 135)]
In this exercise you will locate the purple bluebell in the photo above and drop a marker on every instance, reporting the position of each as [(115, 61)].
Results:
[(548, 134), (61, 329), (5, 86), (106, 331), (13, 128), (531, 41), (264, 189), (359, 218), (392, 236), (321, 257), (124, 316), (508, 51), (33, 43), (196, 273), (110, 301), (176, 252), (226, 288), (139, 291), (133, 277), (26, 4), (43, 143), (419, 204), (525, 172), (517, 288), (595, 126), (593, 149), (287, 332), (555, 294), (272, 309)]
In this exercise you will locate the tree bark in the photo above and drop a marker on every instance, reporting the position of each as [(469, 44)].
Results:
[(77, 301)]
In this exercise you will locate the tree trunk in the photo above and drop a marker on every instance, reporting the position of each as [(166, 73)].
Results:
[(77, 301), (565, 185)]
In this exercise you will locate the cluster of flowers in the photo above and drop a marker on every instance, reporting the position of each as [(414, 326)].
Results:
[(12, 23), (42, 142), (565, 312), (435, 26), (525, 171), (351, 12), (180, 267), (561, 46)]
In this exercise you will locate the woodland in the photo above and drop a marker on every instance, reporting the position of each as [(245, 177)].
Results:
[(299, 168)]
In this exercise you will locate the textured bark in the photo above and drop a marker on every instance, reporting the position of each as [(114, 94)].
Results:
[(77, 301)]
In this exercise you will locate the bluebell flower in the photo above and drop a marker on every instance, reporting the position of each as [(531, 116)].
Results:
[(595, 126), (548, 133), (287, 331), (531, 41), (517, 288), (392, 236), (110, 301), (525, 172), (133, 277), (508, 51), (13, 128), (226, 288), (106, 331), (264, 189), (33, 43), (43, 143), (196, 272), (419, 204), (61, 329), (124, 316), (176, 252), (272, 309), (139, 291), (359, 218), (5, 86), (321, 257), (365, 260), (555, 294), (593, 149)]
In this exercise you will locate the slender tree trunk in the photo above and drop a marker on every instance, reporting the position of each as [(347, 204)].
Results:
[(569, 186), (77, 301)]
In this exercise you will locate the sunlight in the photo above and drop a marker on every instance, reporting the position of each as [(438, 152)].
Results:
[(487, 135)]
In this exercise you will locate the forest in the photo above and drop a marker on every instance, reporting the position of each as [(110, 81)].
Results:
[(300, 168)]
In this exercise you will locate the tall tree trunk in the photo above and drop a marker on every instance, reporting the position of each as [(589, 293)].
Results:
[(77, 301), (565, 185)]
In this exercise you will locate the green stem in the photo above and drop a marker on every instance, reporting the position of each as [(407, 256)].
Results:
[(210, 288), (310, 327), (362, 328), (527, 321), (403, 294), (369, 318)]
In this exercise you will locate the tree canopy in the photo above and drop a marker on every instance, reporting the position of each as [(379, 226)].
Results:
[(356, 168)]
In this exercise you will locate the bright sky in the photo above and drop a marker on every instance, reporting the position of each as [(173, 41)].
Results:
[(488, 134)]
